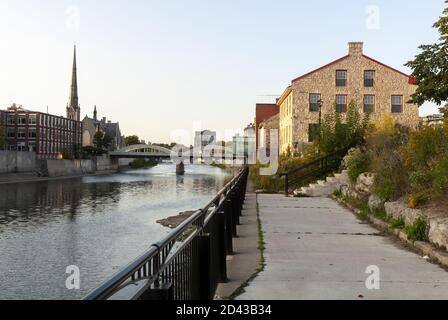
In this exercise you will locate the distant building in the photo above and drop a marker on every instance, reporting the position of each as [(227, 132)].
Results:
[(203, 139), (262, 113), (47, 135), (92, 125), (265, 130), (432, 120)]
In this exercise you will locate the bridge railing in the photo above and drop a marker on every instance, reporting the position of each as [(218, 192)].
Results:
[(189, 263)]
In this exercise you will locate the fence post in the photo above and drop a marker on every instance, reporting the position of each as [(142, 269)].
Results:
[(286, 185), (165, 292), (222, 246), (235, 210), (204, 268), (229, 226)]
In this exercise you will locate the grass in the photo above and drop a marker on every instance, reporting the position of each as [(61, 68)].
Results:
[(417, 232), (397, 223), (262, 248)]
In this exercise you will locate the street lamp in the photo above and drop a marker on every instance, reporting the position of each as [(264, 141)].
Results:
[(320, 104)]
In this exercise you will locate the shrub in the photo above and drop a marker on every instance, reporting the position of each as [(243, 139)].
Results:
[(142, 163), (386, 162), (357, 162), (336, 135), (397, 223), (425, 160), (417, 232)]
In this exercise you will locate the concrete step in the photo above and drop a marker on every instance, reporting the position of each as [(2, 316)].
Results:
[(322, 183)]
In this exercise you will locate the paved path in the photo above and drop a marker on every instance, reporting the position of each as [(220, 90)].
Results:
[(316, 249), (246, 258)]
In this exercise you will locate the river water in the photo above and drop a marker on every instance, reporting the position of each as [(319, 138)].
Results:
[(98, 224)]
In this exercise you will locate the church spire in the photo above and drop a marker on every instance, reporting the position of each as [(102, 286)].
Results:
[(95, 114), (73, 111)]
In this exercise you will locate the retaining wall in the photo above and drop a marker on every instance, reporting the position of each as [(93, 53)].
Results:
[(15, 161)]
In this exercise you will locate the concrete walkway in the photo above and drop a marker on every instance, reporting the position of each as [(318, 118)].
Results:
[(316, 249), (246, 258)]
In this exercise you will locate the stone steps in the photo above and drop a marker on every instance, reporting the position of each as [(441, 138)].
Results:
[(324, 188)]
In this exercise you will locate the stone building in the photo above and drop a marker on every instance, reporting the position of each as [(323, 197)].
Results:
[(73, 107), (92, 125), (374, 86)]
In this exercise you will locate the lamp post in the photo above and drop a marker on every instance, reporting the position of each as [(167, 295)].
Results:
[(320, 104)]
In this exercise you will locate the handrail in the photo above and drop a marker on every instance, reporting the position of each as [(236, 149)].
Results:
[(165, 265), (325, 165)]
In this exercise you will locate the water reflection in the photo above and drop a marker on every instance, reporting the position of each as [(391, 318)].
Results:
[(96, 223)]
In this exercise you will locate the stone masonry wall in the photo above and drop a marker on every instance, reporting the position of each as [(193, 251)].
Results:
[(387, 83)]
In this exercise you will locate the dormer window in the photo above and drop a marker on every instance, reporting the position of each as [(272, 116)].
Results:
[(341, 78)]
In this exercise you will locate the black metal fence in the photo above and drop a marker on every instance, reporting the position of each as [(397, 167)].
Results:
[(316, 169), (191, 261)]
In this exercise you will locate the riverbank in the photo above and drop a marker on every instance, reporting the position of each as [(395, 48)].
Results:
[(26, 177)]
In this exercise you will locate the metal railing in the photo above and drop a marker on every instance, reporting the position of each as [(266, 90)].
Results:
[(189, 263), (317, 169)]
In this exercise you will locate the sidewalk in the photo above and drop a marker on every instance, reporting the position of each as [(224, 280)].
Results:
[(316, 249), (246, 259)]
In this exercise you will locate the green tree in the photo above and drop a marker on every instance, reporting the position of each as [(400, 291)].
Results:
[(132, 140), (430, 68), (67, 154), (101, 142)]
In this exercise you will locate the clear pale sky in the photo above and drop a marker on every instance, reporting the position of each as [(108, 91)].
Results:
[(161, 66)]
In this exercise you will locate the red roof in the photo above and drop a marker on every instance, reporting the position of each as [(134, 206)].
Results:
[(318, 69), (411, 79)]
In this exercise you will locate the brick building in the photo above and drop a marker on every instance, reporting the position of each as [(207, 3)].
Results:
[(47, 135), (374, 86), (263, 111)]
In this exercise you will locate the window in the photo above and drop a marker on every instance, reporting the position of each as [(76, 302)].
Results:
[(32, 119), (341, 78), (32, 133), (369, 78), (314, 102), (11, 133), (21, 134), (11, 119), (369, 104), (341, 103), (21, 119), (313, 132), (397, 104)]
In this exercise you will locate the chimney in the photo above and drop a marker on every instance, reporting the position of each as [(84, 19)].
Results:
[(355, 48)]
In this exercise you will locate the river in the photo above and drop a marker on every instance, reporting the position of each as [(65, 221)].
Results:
[(98, 224)]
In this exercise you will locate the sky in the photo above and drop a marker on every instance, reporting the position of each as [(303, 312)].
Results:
[(166, 67)]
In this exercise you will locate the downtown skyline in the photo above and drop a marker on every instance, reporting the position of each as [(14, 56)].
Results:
[(162, 67)]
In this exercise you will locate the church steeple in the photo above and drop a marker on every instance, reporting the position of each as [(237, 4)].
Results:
[(73, 109), (95, 114)]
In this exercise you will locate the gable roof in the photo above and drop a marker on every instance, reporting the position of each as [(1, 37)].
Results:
[(411, 79)]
